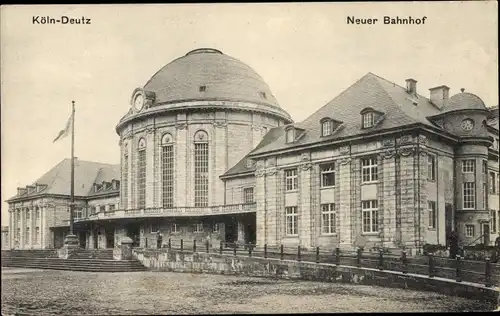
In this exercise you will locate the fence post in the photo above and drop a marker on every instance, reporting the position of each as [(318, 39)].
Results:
[(381, 259), (221, 245), (169, 244), (249, 250), (265, 251), (405, 261), (358, 257), (194, 245), (487, 273), (431, 265), (182, 244), (281, 252), (317, 254), (458, 276), (337, 256), (208, 247), (298, 253)]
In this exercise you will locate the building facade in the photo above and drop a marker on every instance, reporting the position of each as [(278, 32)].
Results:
[(206, 151)]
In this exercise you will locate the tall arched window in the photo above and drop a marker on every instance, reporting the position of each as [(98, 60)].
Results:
[(201, 169), (141, 174), (167, 161), (124, 186)]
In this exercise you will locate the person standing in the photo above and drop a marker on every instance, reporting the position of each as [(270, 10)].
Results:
[(453, 242), (159, 240), (496, 250)]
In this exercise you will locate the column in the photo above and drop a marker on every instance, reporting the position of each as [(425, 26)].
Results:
[(241, 231), (304, 205), (344, 210), (261, 212), (11, 229), (150, 167), (180, 167), (31, 226), (23, 228), (388, 195), (44, 229)]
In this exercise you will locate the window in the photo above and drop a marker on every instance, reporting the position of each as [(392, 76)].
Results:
[(368, 119), (328, 218), (174, 228), (370, 216), (37, 213), (203, 88), (78, 212), (111, 207), (201, 169), (493, 221), (37, 235), (485, 167), (469, 195), (167, 171), (468, 166), (97, 209), (431, 168), (155, 228), (263, 95), (493, 183), (124, 187), (215, 228), (18, 215), (432, 214), (27, 235), (27, 214), (141, 175), (198, 228), (326, 128), (327, 175), (291, 181), (248, 195), (291, 220), (485, 196), (469, 230), (290, 135), (369, 169)]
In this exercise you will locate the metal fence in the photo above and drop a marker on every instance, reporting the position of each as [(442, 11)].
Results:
[(458, 269)]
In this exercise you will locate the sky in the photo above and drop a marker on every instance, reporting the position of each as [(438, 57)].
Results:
[(306, 53)]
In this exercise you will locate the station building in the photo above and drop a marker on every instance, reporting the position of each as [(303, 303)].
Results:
[(207, 151)]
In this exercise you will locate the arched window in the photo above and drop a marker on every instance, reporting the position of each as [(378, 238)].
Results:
[(124, 187), (167, 161), (201, 169), (141, 174)]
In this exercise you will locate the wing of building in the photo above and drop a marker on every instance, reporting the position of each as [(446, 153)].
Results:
[(207, 151)]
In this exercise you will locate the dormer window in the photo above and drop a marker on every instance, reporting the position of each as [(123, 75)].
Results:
[(263, 95), (290, 135), (326, 128), (368, 119), (203, 88)]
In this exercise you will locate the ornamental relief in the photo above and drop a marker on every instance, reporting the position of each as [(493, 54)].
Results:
[(345, 161), (405, 139), (406, 152), (305, 166), (256, 127), (220, 124), (260, 173), (181, 126), (422, 139), (389, 153), (272, 171), (305, 157), (389, 142), (149, 130), (260, 165), (344, 150)]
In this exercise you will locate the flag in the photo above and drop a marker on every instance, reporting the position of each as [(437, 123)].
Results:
[(63, 133)]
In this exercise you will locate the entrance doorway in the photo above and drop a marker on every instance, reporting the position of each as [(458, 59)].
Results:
[(82, 238), (231, 231), (133, 231), (448, 219), (110, 238), (486, 234)]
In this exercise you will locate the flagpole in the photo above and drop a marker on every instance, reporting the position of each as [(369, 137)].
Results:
[(72, 205)]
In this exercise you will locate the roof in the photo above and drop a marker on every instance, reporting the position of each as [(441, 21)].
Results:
[(241, 166), (464, 101), (58, 179), (371, 91), (493, 120), (224, 77)]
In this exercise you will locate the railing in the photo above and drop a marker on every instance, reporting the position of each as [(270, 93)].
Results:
[(486, 273), (176, 211)]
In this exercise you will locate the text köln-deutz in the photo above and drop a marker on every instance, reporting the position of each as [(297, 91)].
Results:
[(60, 20), (387, 20)]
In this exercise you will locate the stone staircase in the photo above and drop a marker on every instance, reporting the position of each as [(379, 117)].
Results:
[(82, 260)]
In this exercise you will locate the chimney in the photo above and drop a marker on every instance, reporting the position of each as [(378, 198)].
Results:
[(411, 86), (21, 191), (439, 96)]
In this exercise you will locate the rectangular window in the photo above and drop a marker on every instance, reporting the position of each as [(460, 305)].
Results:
[(290, 135), (469, 193), (493, 221), (155, 228), (327, 128), (485, 196), (369, 169), (124, 187), (248, 195), (168, 176), (432, 214), (328, 175), (198, 228), (368, 120), (469, 230), (468, 166), (431, 168), (215, 228), (78, 212), (493, 183), (291, 220), (328, 218), (201, 174), (141, 180), (485, 167), (27, 214), (370, 216), (291, 180), (174, 228), (111, 207)]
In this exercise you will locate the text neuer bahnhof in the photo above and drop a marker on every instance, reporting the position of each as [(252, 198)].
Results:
[(387, 20)]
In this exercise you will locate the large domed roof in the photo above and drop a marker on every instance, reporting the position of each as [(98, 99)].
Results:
[(208, 74), (464, 101)]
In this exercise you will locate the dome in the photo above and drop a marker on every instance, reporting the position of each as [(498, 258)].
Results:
[(208, 74), (464, 101)]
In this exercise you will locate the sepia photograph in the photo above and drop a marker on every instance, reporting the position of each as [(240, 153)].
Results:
[(250, 158)]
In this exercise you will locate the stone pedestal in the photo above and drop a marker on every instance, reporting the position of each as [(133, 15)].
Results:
[(126, 248), (71, 244)]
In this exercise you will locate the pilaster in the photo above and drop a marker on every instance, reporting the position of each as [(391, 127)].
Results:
[(345, 207)]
